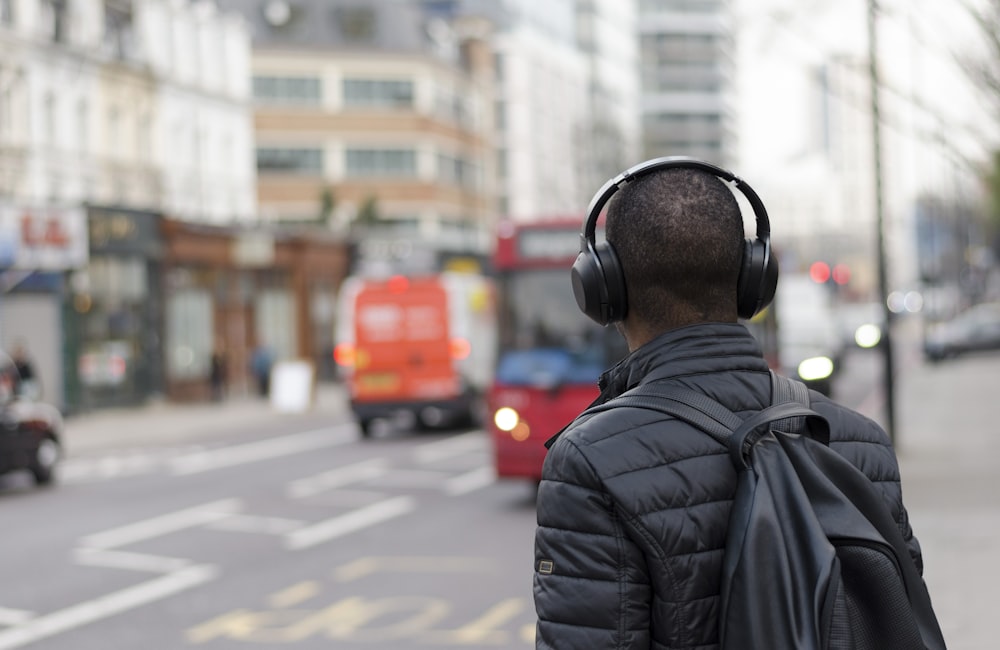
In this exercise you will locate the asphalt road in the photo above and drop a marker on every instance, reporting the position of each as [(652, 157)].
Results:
[(301, 539), (270, 537)]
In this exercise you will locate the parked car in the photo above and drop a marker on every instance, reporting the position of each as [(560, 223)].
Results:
[(975, 329), (30, 430)]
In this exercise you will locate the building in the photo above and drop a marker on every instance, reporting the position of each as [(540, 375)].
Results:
[(375, 117), (115, 116), (686, 53), (543, 123), (606, 34)]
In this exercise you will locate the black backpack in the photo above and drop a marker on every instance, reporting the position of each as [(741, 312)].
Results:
[(813, 558)]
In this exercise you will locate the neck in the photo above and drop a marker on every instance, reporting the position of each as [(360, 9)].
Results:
[(638, 332)]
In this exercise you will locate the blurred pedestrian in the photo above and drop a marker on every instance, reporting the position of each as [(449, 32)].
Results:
[(260, 366), (27, 380), (217, 375)]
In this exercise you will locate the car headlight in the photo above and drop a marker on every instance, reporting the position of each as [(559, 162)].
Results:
[(816, 368), (868, 335), (506, 418)]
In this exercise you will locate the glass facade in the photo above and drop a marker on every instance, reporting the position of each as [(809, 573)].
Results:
[(289, 160), (288, 90), (390, 93), (381, 162)]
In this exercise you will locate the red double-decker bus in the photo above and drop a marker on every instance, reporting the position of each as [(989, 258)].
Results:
[(550, 355)]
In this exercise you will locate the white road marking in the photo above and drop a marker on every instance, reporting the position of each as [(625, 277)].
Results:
[(335, 478), (449, 447), (470, 481), (14, 616), (127, 560), (355, 520), (413, 478), (252, 452), (156, 526), (254, 524), (105, 606)]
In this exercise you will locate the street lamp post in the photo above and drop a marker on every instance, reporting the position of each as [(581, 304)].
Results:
[(883, 271)]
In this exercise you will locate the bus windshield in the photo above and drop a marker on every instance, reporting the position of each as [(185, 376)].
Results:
[(544, 339)]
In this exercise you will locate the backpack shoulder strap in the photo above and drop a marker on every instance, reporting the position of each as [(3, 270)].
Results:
[(786, 389), (684, 404)]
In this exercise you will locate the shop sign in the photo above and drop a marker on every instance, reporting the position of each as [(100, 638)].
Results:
[(253, 249), (43, 239)]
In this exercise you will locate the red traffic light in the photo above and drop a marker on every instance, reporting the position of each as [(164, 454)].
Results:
[(819, 272), (841, 274)]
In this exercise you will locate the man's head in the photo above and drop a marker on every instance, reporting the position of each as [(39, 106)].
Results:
[(678, 234)]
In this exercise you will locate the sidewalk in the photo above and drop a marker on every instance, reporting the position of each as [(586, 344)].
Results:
[(171, 423), (948, 440)]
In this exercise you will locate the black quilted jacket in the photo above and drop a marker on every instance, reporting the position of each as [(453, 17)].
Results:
[(633, 504)]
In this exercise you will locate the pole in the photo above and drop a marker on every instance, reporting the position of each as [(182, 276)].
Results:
[(883, 266)]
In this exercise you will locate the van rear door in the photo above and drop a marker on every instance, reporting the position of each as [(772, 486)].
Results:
[(402, 344)]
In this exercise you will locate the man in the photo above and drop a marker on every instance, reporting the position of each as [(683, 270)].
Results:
[(633, 505)]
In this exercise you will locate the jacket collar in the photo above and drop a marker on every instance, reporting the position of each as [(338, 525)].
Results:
[(693, 349)]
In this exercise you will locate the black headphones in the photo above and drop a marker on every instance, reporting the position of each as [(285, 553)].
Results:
[(598, 280)]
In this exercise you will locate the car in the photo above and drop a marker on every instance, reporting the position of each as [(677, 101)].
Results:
[(30, 430), (808, 337), (862, 324), (975, 329)]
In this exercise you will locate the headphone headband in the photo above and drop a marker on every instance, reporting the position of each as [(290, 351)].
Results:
[(608, 190), (597, 275)]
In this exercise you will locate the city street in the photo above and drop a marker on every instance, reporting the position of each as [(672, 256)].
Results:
[(235, 526)]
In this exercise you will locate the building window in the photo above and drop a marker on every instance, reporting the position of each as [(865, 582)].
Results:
[(6, 110), (49, 125), (287, 90), (114, 143), (356, 24), (52, 18), (289, 160), (118, 32), (189, 328), (378, 92), (82, 126), (457, 171), (6, 12), (381, 162)]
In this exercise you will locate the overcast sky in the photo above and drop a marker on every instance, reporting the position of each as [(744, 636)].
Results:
[(780, 40)]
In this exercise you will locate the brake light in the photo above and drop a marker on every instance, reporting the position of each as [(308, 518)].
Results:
[(460, 349), (344, 354), (398, 284)]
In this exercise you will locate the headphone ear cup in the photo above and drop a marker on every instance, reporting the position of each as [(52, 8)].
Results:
[(753, 292), (614, 282), (598, 284), (588, 285)]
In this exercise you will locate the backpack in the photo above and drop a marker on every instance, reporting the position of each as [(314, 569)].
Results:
[(813, 558)]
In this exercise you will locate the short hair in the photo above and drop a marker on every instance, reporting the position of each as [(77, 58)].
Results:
[(679, 236)]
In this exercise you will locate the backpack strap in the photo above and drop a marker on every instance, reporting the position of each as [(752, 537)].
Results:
[(785, 389), (716, 420), (696, 409)]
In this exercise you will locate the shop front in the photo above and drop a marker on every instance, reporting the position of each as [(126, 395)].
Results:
[(232, 291), (39, 245), (113, 312)]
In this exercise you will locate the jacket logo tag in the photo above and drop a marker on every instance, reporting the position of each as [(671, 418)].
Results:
[(545, 566)]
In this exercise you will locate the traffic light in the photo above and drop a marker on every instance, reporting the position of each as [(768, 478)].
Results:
[(820, 272), (836, 275)]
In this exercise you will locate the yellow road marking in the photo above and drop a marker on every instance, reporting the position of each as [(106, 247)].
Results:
[(482, 630), (366, 566), (294, 595)]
